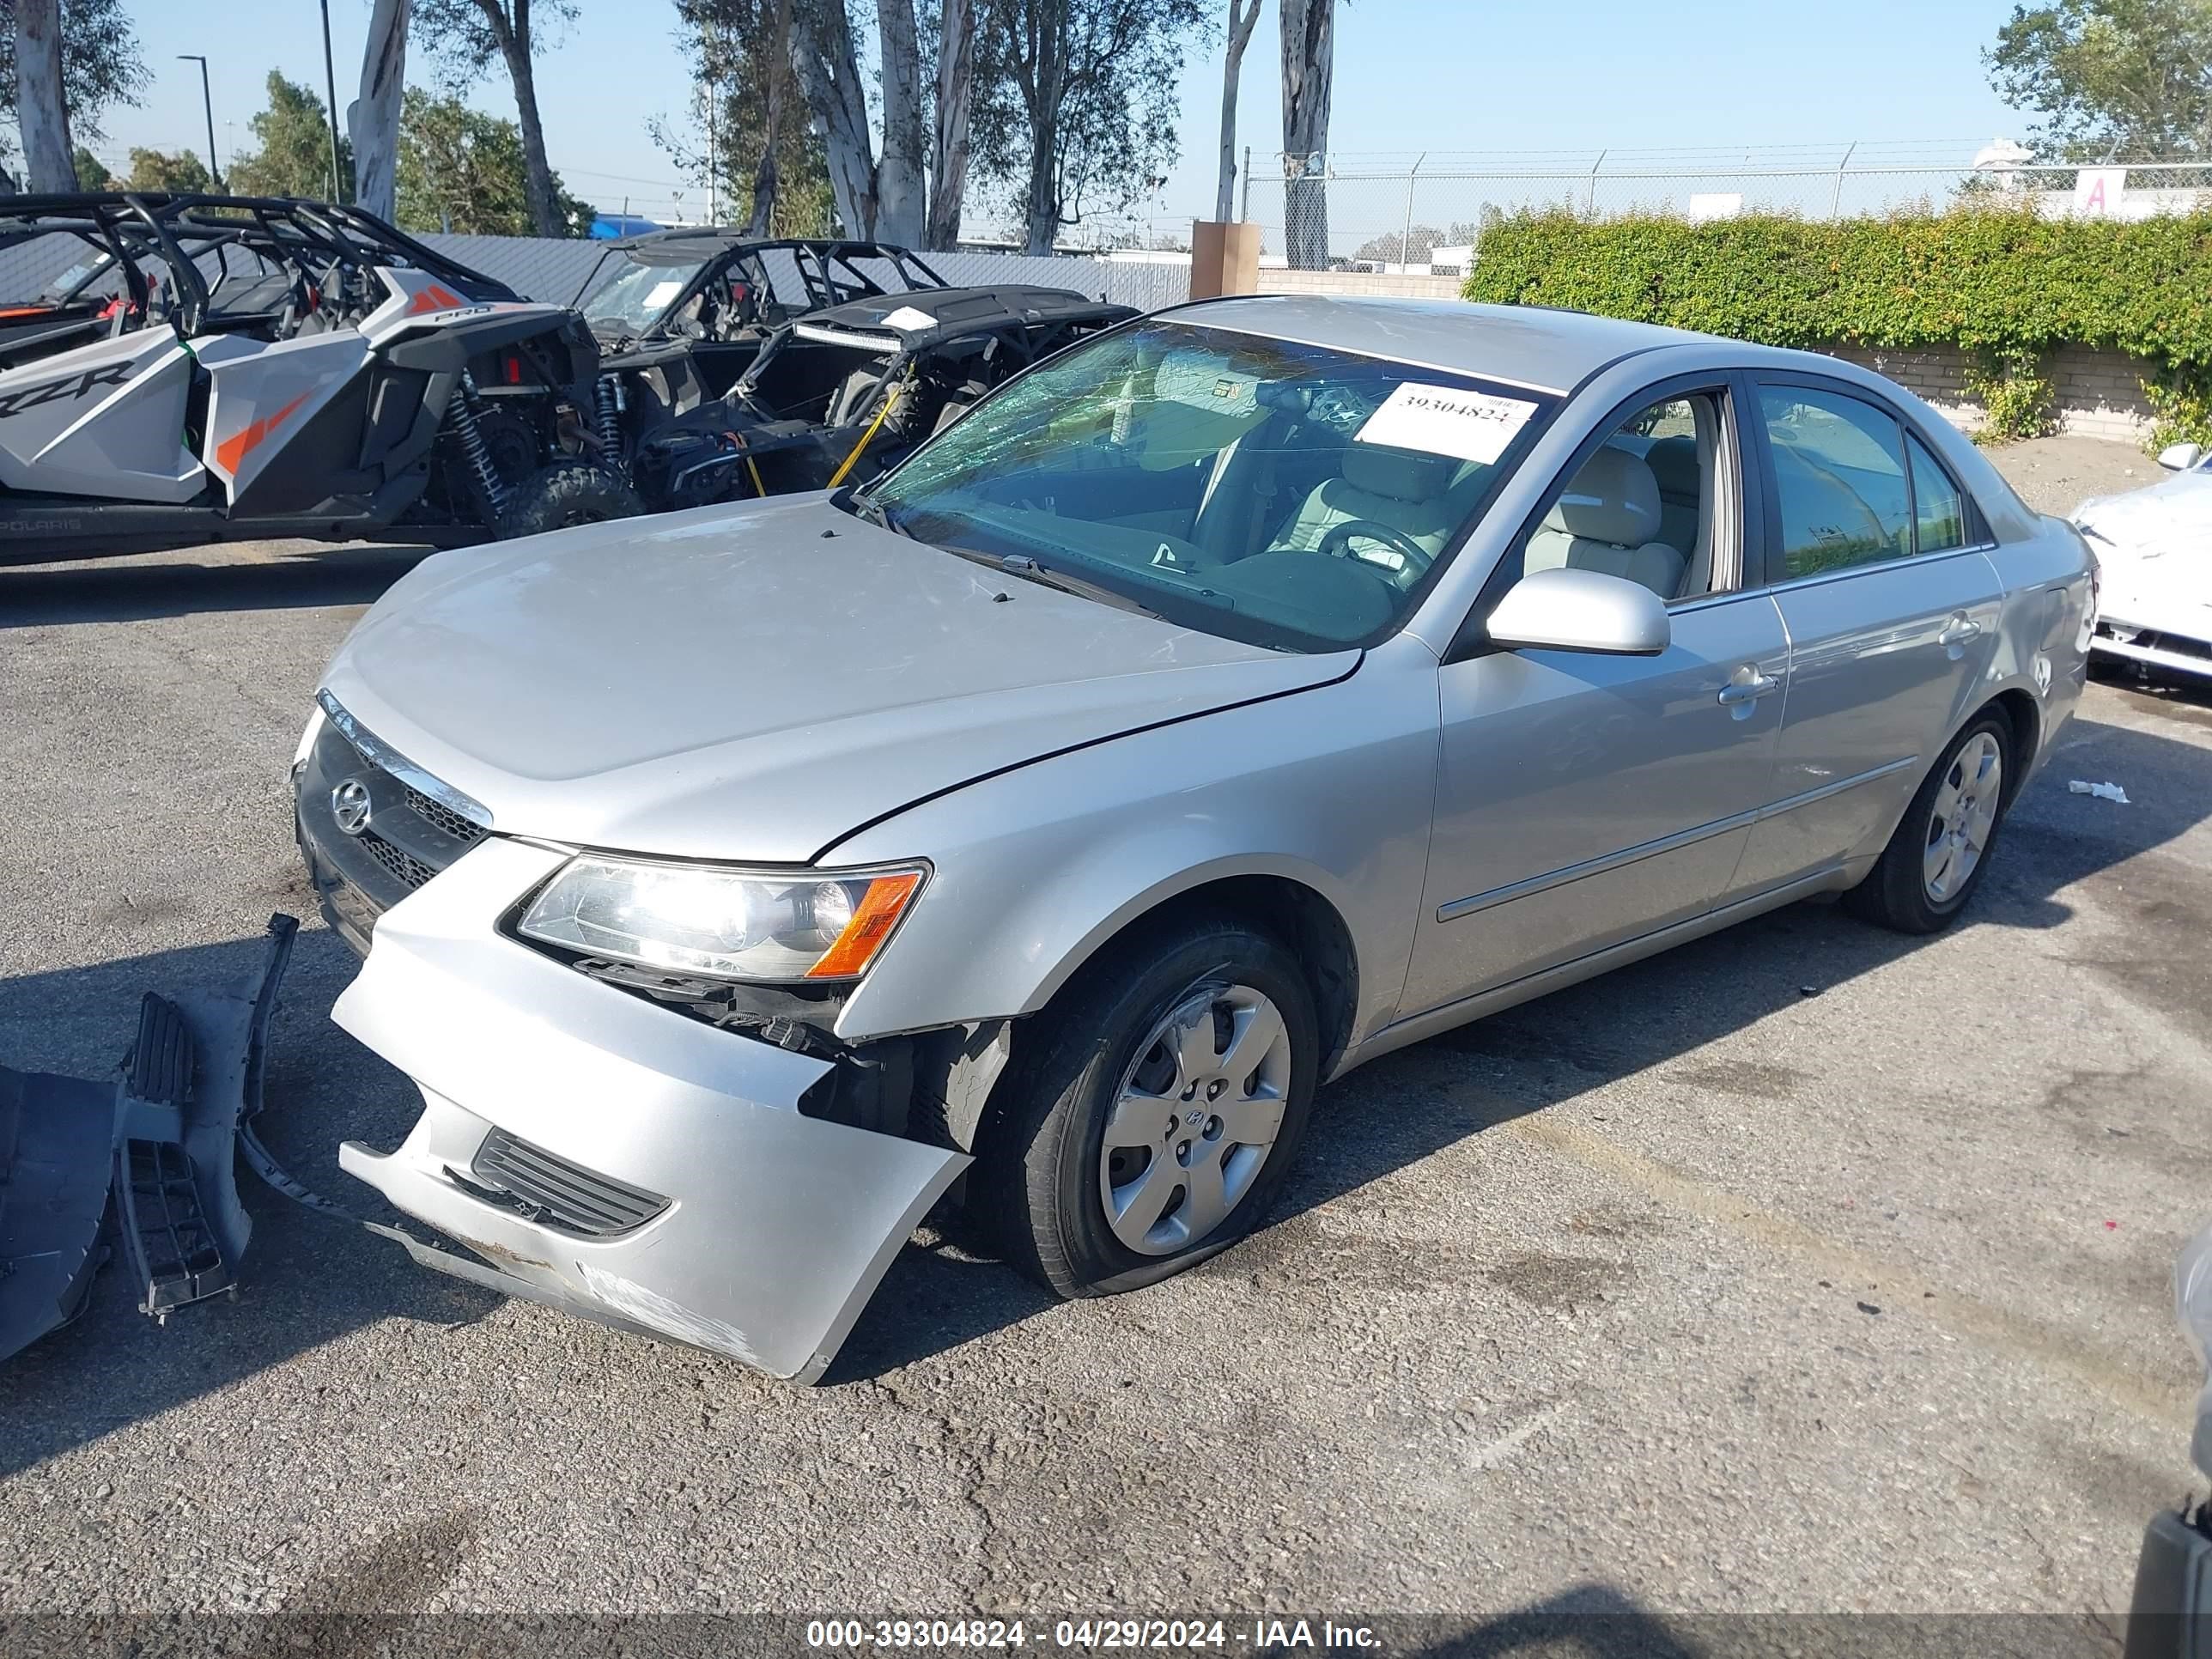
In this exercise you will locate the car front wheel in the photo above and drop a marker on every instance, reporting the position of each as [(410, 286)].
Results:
[(1155, 1108)]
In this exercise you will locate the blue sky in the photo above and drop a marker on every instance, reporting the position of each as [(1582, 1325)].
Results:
[(1440, 76)]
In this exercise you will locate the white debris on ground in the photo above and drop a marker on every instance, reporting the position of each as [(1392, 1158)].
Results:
[(2110, 791)]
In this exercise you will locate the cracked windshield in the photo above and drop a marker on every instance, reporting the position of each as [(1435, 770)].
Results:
[(1283, 494)]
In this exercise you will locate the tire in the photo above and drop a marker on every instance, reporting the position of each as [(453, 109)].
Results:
[(564, 494), (1964, 794), (1045, 1177)]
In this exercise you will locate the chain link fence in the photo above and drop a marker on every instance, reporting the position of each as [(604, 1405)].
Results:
[(1425, 214)]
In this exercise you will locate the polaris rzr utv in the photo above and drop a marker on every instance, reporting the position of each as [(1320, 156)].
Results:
[(840, 395), (681, 313), (203, 368)]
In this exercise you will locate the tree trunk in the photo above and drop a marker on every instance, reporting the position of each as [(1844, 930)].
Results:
[(1309, 29), (955, 92), (1240, 36), (899, 201), (1041, 206), (764, 176), (373, 119), (828, 77), (537, 172), (41, 110)]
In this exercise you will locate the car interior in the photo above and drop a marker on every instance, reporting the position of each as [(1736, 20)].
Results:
[(1644, 506), (1245, 478)]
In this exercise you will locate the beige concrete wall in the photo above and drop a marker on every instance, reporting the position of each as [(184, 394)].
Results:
[(1358, 281), (2100, 393)]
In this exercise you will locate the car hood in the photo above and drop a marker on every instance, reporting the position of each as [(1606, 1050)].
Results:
[(2175, 514), (756, 682)]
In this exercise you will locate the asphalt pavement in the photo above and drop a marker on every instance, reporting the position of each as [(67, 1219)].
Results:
[(1806, 1268)]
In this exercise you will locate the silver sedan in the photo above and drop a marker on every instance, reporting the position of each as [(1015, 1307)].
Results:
[(1251, 690)]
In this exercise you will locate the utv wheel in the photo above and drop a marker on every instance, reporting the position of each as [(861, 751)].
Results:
[(1156, 1109), (1935, 858), (564, 494)]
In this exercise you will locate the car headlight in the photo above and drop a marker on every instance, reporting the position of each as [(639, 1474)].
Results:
[(2192, 1293), (307, 739), (2192, 1301), (723, 924)]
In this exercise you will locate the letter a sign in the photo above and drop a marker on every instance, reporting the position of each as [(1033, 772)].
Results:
[(2097, 191)]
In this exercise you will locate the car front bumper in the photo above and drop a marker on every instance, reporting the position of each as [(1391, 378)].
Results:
[(614, 1159), (2180, 651)]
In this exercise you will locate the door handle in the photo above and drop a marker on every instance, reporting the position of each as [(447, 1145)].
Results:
[(1961, 629), (1749, 686)]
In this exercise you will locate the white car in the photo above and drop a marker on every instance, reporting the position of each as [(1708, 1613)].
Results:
[(2153, 549)]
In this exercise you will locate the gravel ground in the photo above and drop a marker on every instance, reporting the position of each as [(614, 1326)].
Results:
[(2052, 474), (1806, 1268)]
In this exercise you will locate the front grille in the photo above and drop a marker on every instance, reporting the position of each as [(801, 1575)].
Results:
[(554, 1193), (439, 816), (411, 835), (402, 865)]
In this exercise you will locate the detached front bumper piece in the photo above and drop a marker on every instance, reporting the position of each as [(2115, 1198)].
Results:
[(2171, 1617), (614, 1158), (161, 1135)]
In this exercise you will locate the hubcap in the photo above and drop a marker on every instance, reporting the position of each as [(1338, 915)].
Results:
[(1965, 813), (1195, 1119)]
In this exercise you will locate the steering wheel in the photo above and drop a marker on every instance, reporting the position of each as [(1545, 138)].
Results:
[(1337, 543)]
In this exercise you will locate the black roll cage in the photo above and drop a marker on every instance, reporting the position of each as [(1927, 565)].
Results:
[(128, 226), (718, 249)]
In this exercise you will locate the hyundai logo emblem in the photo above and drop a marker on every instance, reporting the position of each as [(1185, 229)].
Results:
[(350, 807)]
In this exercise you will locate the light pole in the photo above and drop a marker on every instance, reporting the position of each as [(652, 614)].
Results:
[(207, 103), (331, 87)]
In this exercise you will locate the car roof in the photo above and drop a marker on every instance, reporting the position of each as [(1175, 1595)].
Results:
[(1531, 346)]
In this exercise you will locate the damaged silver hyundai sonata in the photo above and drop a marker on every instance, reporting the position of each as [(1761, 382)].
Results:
[(1247, 691)]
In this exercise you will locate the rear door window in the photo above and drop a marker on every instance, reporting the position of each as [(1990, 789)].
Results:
[(1938, 515)]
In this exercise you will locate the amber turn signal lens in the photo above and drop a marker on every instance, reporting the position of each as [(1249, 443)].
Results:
[(871, 924)]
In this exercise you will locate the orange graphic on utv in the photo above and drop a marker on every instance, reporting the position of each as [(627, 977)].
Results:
[(435, 298), (244, 441)]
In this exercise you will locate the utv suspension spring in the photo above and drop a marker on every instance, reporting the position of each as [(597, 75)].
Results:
[(611, 405), (473, 447)]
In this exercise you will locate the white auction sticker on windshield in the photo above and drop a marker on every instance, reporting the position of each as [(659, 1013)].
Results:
[(906, 319), (663, 293), (1471, 426)]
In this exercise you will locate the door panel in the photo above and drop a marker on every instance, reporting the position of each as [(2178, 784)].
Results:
[(263, 394), (106, 419), (1883, 663), (1583, 800)]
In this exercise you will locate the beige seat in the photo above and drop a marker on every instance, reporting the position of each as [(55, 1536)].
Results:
[(1682, 478), (1410, 494), (1608, 520)]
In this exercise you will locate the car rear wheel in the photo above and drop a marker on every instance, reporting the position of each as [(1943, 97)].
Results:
[(1940, 848), (1155, 1111)]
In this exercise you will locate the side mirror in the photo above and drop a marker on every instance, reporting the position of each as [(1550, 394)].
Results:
[(1568, 609), (2179, 457)]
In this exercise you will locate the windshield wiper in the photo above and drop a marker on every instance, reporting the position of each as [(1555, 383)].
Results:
[(869, 511), (1020, 564)]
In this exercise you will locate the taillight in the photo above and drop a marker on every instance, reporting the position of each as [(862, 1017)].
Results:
[(514, 368)]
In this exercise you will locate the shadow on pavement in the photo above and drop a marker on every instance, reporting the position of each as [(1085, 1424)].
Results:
[(308, 1280), (304, 576), (1596, 1621)]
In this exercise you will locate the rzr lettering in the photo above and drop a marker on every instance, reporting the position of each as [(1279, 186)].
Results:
[(70, 387)]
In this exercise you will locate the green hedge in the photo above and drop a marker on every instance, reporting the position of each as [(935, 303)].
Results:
[(2006, 285)]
